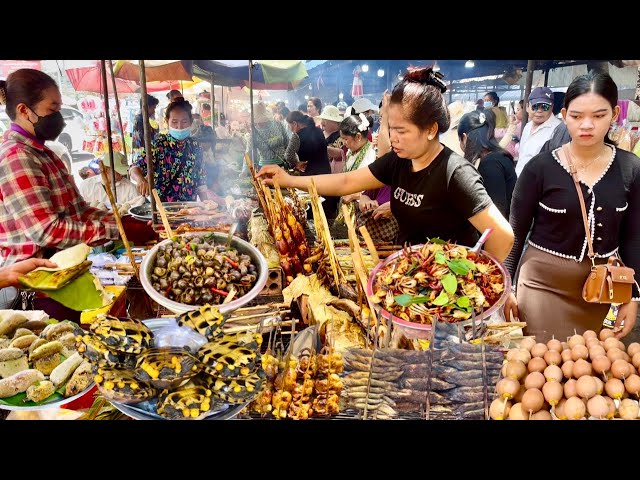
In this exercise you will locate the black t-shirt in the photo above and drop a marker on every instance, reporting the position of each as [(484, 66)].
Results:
[(437, 200), (313, 149), (499, 177), (332, 138)]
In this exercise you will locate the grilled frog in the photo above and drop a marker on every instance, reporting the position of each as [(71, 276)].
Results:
[(125, 336), (122, 386), (228, 358), (93, 350), (188, 402), (235, 389), (166, 368), (207, 321)]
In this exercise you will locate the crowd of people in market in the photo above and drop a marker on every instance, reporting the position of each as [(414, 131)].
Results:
[(410, 168)]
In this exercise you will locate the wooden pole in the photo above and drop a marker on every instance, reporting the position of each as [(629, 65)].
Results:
[(222, 107), (147, 137), (103, 71), (213, 103), (213, 123), (116, 214), (163, 214), (531, 65), (115, 93), (253, 126), (546, 76)]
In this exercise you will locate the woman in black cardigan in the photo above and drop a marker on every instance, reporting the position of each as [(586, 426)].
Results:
[(556, 265)]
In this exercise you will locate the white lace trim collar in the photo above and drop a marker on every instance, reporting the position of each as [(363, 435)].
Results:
[(573, 257), (613, 156)]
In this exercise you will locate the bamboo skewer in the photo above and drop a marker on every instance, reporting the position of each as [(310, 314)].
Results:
[(359, 268), (116, 214), (163, 213), (230, 296), (322, 230), (370, 245), (243, 318), (256, 184)]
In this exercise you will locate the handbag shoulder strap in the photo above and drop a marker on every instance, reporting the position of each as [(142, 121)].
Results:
[(574, 175)]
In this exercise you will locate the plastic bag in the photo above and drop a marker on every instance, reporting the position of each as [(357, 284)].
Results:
[(99, 260), (174, 336)]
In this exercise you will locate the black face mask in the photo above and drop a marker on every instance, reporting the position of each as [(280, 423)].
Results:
[(48, 127)]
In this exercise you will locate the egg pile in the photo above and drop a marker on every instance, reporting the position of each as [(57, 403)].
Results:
[(585, 377)]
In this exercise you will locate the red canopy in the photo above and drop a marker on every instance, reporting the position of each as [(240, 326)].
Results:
[(89, 79)]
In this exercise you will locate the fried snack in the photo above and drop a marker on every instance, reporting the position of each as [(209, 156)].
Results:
[(80, 379), (9, 325), (19, 382), (62, 372), (12, 361), (57, 330), (47, 357), (36, 343), (23, 342), (40, 391), (21, 332)]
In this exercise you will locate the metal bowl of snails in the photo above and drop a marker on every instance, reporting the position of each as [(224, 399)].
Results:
[(191, 270)]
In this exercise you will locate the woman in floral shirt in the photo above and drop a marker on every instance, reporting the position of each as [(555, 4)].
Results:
[(178, 169)]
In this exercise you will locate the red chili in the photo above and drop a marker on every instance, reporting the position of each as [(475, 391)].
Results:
[(219, 292), (166, 292), (188, 246), (231, 262)]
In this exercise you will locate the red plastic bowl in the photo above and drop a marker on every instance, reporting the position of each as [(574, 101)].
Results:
[(422, 330)]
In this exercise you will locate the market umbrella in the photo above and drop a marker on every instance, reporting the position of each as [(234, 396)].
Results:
[(89, 79), (165, 85), (267, 74), (155, 70), (258, 74)]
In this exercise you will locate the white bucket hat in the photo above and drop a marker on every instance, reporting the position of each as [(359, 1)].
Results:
[(456, 111), (331, 113), (363, 104)]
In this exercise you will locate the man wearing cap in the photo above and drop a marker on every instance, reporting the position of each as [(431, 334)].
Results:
[(540, 128), (330, 120), (93, 190)]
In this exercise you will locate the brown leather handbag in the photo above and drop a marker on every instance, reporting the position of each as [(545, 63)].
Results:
[(610, 282)]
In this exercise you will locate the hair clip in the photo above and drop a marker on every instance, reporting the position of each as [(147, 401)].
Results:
[(435, 79), (482, 118), (364, 123)]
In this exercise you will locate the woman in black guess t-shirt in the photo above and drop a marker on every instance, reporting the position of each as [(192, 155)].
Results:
[(435, 192)]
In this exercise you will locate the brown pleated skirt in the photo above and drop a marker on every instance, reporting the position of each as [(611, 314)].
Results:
[(549, 296)]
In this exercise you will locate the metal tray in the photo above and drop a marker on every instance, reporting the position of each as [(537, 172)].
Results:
[(147, 410), (143, 212), (53, 404)]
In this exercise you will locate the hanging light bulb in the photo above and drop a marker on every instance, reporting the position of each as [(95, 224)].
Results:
[(436, 67), (380, 72), (341, 95), (306, 97), (400, 76), (310, 87), (365, 68), (469, 64)]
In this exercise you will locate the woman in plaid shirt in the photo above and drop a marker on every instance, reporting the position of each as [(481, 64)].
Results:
[(40, 207)]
